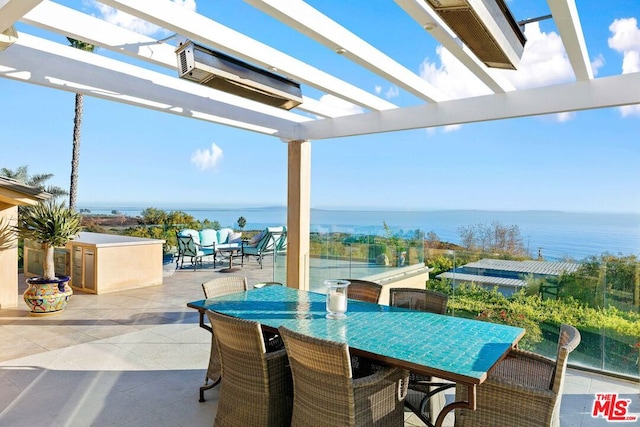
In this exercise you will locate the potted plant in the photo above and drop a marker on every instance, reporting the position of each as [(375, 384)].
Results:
[(51, 225)]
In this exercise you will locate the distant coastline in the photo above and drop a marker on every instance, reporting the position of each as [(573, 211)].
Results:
[(558, 234)]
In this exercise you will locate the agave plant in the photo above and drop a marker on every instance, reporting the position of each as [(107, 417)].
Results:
[(51, 224)]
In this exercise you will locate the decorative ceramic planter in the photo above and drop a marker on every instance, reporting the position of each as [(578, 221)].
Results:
[(47, 296)]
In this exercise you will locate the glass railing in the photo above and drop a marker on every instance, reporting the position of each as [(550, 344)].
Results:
[(600, 295), (340, 254)]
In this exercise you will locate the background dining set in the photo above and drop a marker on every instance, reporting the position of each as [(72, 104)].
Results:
[(280, 362)]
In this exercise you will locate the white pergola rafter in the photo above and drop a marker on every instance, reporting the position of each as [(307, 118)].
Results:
[(71, 23), (11, 11), (201, 29), (428, 19), (565, 15), (585, 95), (309, 21), (77, 71)]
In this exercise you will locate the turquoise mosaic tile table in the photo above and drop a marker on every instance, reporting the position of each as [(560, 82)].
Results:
[(456, 349)]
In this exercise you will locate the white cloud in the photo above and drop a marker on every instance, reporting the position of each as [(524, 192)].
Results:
[(544, 61), (565, 117), (626, 40), (596, 64), (378, 89), (451, 77), (207, 159), (392, 92), (130, 22), (346, 106)]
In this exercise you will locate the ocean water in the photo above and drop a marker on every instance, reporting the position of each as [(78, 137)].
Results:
[(557, 235)]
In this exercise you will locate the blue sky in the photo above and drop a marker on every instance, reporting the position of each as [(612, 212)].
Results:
[(584, 161)]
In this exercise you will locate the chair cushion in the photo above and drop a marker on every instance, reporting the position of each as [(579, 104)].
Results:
[(237, 246), (208, 237), (223, 235), (192, 233), (235, 238), (255, 239)]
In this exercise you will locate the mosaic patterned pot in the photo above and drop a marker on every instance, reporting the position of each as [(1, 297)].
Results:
[(47, 296)]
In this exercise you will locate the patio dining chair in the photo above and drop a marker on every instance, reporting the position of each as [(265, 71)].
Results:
[(256, 388), (429, 390), (326, 392), (214, 288), (525, 389), (364, 290)]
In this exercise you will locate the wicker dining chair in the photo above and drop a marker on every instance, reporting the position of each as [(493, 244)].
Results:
[(327, 394), (214, 288), (363, 290), (256, 388), (525, 389), (419, 299), (430, 402)]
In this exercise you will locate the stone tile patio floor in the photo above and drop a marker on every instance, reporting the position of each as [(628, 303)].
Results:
[(137, 358)]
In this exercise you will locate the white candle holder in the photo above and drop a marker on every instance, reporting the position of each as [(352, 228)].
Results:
[(336, 298)]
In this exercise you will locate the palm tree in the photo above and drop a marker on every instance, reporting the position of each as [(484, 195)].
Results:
[(21, 174), (77, 124)]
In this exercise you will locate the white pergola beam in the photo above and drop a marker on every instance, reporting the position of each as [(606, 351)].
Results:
[(203, 30), (12, 10), (565, 15), (71, 23), (428, 19), (584, 95), (83, 72), (309, 21), (80, 26)]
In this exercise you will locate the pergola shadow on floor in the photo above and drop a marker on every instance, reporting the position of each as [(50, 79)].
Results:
[(138, 357)]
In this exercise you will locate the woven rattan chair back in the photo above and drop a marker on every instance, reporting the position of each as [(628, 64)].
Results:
[(419, 299), (433, 302), (215, 288), (364, 290), (327, 395), (256, 388), (525, 389), (224, 285), (568, 340), (322, 380)]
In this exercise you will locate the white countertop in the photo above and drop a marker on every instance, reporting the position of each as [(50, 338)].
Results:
[(104, 240)]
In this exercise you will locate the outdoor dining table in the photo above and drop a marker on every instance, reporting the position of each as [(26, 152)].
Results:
[(452, 348)]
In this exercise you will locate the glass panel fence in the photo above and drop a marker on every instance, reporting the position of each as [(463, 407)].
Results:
[(599, 295)]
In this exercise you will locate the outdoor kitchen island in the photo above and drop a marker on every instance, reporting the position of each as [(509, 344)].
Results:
[(101, 263)]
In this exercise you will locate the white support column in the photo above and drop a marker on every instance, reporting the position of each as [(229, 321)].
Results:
[(298, 214)]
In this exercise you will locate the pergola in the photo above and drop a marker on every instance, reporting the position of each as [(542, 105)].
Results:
[(139, 70)]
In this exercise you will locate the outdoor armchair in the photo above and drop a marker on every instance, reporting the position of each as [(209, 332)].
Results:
[(430, 397), (256, 388), (525, 389), (189, 246), (271, 241), (327, 394), (213, 288)]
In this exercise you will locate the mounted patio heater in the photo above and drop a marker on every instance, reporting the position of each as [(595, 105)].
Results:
[(219, 71), (487, 27)]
